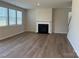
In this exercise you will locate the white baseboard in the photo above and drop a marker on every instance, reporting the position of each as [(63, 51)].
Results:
[(73, 47)]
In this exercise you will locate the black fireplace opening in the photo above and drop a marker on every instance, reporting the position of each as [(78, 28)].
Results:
[(43, 28)]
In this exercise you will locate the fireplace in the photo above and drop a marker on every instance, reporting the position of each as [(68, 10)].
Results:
[(43, 28)]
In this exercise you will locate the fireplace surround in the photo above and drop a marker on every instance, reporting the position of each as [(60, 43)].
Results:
[(48, 25)]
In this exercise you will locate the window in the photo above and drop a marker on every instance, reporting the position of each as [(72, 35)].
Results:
[(19, 17), (12, 17), (3, 16)]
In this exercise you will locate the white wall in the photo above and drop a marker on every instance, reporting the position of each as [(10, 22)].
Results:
[(44, 14), (73, 34), (9, 31), (30, 22), (34, 15), (61, 20)]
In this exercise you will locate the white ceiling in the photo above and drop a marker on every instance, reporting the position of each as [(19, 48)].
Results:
[(29, 4)]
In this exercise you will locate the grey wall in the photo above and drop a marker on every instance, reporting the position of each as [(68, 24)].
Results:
[(11, 30), (61, 20)]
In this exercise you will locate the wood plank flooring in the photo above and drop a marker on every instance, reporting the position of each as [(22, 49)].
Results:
[(32, 45)]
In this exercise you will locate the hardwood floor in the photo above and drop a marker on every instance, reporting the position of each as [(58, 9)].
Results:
[(32, 45)]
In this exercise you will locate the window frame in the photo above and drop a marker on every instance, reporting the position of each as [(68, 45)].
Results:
[(21, 18)]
